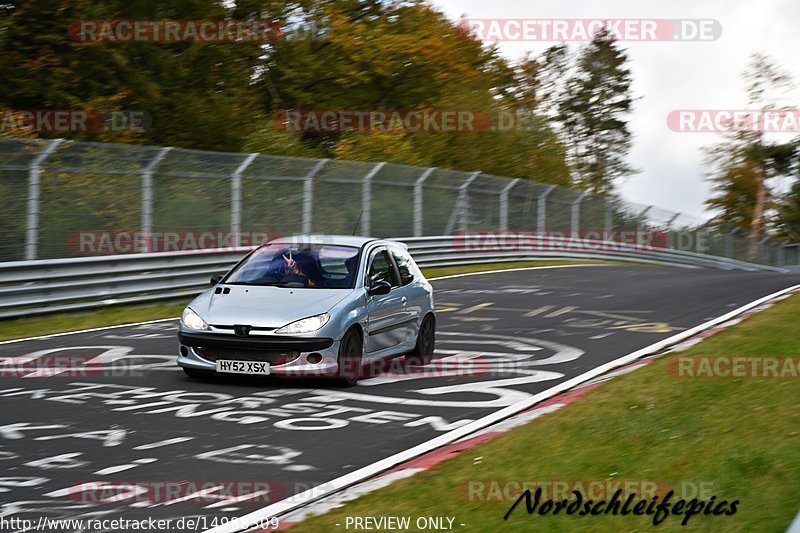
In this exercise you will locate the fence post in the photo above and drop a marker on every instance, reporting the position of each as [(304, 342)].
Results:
[(418, 190), (308, 195), (781, 256), (641, 216), (34, 200), (759, 251), (796, 247), (504, 204), (366, 199), (729, 242), (670, 239), (461, 206), (147, 198), (236, 200), (541, 210), (575, 215), (609, 220)]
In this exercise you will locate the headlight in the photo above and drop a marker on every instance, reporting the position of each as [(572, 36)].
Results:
[(192, 320), (306, 325)]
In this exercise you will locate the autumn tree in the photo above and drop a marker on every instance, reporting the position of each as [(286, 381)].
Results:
[(197, 95), (338, 55), (593, 112), (743, 164), (402, 56)]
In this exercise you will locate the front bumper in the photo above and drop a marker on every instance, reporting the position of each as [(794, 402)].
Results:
[(199, 351), (256, 342)]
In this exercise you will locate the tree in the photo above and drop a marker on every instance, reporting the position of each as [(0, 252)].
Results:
[(197, 95), (332, 54), (787, 219), (734, 185), (743, 164), (403, 56), (540, 81), (592, 112)]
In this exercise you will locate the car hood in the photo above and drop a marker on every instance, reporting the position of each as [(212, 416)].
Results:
[(266, 307)]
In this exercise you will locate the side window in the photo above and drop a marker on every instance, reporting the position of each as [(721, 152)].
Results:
[(381, 269), (403, 261)]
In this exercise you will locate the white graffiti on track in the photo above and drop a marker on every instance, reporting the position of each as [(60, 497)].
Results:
[(84, 362), (496, 373), (256, 408)]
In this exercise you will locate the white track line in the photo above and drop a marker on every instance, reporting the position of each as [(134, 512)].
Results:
[(51, 335), (299, 500)]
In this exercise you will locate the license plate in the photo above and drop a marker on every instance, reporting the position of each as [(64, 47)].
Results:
[(243, 367)]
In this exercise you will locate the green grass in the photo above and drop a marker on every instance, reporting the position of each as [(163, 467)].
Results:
[(739, 436), (114, 315), (434, 272), (108, 316)]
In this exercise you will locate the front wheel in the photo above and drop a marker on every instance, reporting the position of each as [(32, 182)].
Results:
[(349, 361), (426, 342)]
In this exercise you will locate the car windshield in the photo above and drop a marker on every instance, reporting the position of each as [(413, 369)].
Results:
[(319, 266)]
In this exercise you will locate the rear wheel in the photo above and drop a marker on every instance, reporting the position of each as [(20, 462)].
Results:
[(350, 352), (426, 342)]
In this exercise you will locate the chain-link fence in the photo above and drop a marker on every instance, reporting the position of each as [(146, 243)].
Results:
[(71, 199)]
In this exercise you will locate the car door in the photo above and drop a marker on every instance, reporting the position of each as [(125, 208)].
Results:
[(386, 320), (415, 297)]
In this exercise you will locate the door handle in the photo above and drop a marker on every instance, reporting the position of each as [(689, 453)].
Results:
[(404, 300)]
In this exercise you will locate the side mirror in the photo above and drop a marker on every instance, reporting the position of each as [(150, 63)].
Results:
[(216, 278), (378, 288)]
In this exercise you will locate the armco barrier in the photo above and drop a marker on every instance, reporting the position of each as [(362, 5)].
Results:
[(43, 286)]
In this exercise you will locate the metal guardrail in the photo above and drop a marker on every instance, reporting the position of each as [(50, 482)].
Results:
[(44, 286)]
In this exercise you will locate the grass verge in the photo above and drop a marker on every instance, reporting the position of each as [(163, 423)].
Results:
[(108, 316), (435, 272), (735, 438), (113, 315)]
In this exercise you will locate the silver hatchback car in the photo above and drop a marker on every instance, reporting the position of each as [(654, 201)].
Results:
[(311, 306)]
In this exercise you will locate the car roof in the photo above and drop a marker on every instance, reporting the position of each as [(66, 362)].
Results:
[(342, 240)]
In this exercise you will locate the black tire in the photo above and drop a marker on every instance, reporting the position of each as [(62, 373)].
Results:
[(197, 374), (350, 355), (426, 343)]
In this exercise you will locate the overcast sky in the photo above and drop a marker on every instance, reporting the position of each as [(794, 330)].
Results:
[(669, 75)]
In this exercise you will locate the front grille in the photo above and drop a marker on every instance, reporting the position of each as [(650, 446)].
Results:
[(230, 327), (238, 354)]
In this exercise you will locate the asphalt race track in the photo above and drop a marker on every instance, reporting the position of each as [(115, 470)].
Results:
[(75, 440)]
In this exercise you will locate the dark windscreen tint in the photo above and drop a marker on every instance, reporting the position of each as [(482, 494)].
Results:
[(404, 265), (321, 266), (381, 269)]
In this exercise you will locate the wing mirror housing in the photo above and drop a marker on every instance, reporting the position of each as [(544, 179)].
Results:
[(216, 278), (379, 287)]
